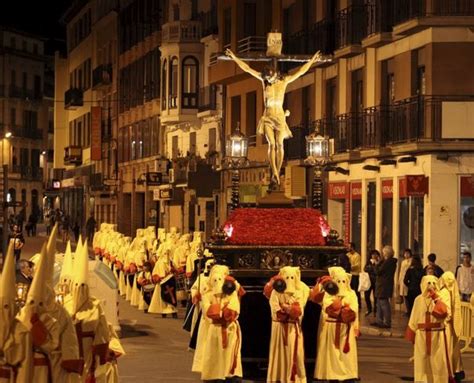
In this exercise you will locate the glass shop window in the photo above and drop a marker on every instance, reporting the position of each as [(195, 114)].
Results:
[(371, 197), (466, 215), (411, 211)]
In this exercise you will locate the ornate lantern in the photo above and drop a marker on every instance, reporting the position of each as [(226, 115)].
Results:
[(236, 146)]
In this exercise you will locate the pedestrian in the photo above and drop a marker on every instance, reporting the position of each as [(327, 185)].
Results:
[(65, 226), (344, 262), (76, 230), (25, 274), (385, 272), (374, 259), (465, 277), (402, 288), (354, 259), (34, 223), (90, 228), (412, 281), (438, 271), (19, 241)]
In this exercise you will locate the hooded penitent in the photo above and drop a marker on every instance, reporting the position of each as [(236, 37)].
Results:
[(7, 296), (287, 298), (80, 288), (67, 267), (448, 282)]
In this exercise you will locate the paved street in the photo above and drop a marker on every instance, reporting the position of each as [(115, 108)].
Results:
[(157, 347)]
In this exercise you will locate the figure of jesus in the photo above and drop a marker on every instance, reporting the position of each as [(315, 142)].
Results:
[(273, 121)]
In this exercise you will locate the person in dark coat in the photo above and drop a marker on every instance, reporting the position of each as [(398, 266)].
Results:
[(374, 259), (412, 281), (25, 274), (384, 271), (17, 236), (438, 271), (345, 263)]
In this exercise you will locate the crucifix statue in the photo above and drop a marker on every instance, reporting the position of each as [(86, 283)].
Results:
[(273, 121)]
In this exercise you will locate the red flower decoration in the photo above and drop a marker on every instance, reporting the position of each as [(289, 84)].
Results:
[(278, 227)]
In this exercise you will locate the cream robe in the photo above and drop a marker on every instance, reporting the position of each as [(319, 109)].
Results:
[(428, 368), (17, 352), (109, 371), (219, 362), (332, 362), (142, 305), (130, 258), (122, 252), (157, 305), (285, 338), (139, 259), (91, 319)]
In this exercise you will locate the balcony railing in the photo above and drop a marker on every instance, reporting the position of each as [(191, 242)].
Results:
[(414, 119), (322, 37), (379, 17), (182, 31), (72, 155), (252, 44), (350, 26), (209, 22), (26, 132), (27, 173), (73, 98), (97, 182), (405, 10), (295, 147), (102, 76), (17, 92), (297, 43), (207, 98)]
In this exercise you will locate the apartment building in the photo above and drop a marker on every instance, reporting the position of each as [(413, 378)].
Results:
[(25, 115), (85, 123), (397, 99)]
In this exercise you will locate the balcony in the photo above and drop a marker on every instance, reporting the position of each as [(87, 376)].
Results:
[(26, 132), (207, 98), (102, 76), (379, 21), (73, 98), (181, 32), (411, 16), (17, 92), (322, 37), (347, 131), (251, 44), (350, 30), (72, 155), (209, 24), (97, 182), (27, 173), (295, 147), (297, 43)]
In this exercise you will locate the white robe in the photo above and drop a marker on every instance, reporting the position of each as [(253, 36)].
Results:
[(158, 305), (287, 336), (17, 352), (332, 363), (428, 368), (219, 362)]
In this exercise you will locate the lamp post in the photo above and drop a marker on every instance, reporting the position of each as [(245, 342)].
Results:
[(318, 150), (236, 149)]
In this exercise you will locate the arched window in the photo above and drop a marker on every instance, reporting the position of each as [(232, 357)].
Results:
[(190, 84), (164, 78), (173, 86)]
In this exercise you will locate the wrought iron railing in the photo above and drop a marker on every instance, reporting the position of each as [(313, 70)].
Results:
[(207, 98), (405, 10), (295, 147), (252, 44), (350, 26)]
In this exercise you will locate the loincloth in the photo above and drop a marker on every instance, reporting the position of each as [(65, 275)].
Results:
[(277, 123)]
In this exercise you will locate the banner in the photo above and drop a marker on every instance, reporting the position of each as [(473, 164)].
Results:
[(413, 186), (387, 189), (338, 190), (356, 190), (96, 133)]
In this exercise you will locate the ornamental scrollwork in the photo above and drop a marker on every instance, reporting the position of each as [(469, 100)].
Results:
[(276, 259)]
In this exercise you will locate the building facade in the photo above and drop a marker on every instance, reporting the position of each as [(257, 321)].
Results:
[(397, 99), (25, 116), (85, 124)]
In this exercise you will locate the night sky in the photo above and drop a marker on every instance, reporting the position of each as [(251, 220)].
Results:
[(36, 16)]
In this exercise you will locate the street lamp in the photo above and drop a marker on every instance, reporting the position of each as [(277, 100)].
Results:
[(318, 150), (236, 149)]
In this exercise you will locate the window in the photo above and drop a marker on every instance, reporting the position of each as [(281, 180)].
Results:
[(234, 112), (173, 86), (421, 81), (331, 98), (192, 143), (164, 78), (13, 117), (227, 27), (175, 12), (25, 81), (212, 144), (250, 19), (24, 157), (190, 83), (174, 147), (251, 118), (357, 90), (24, 45)]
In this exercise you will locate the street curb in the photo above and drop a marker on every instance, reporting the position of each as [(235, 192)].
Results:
[(380, 332)]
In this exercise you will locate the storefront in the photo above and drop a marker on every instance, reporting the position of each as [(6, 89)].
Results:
[(425, 204)]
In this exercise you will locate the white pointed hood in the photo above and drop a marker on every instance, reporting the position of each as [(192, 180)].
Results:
[(51, 253), (7, 295), (67, 267), (80, 287)]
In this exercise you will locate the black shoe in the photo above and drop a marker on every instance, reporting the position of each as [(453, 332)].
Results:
[(375, 324), (368, 312), (163, 315)]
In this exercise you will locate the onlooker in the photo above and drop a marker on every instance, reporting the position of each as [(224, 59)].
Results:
[(374, 258), (354, 259), (438, 271), (76, 230), (25, 273), (65, 226), (465, 277), (406, 262), (345, 263), (17, 236), (412, 281), (90, 228), (385, 272)]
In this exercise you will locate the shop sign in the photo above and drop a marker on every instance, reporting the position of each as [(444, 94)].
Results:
[(467, 186), (96, 133), (337, 190), (162, 194), (387, 189), (356, 190), (417, 186)]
